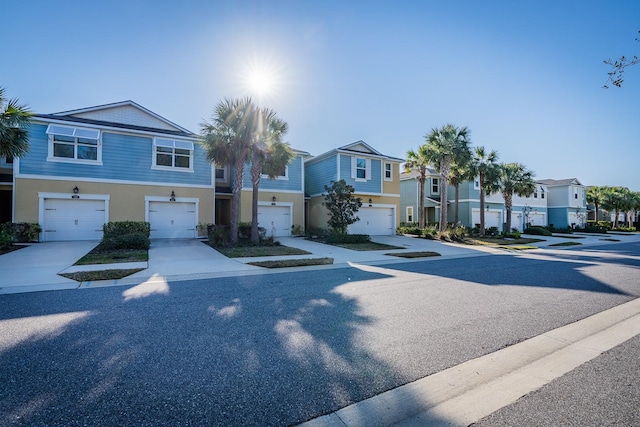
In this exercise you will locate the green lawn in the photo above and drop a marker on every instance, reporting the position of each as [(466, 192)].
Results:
[(87, 276), (256, 251), (490, 241), (423, 254), (113, 257), (368, 246), (568, 236), (293, 262), (566, 244)]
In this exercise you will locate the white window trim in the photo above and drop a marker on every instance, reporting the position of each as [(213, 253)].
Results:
[(384, 171), (438, 185), (281, 178), (407, 214), (164, 142), (225, 169), (73, 132), (354, 169)]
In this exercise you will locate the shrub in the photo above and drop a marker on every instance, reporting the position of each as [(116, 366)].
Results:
[(5, 240), (23, 232), (625, 229), (605, 224), (219, 235), (315, 231), (594, 229), (348, 238), (492, 232), (538, 231), (408, 229), (452, 234), (430, 232), (123, 228), (514, 234), (133, 241), (296, 230)]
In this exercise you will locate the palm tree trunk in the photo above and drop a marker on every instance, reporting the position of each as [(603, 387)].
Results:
[(256, 172), (457, 188), (421, 202), (508, 204), (444, 196), (235, 201), (481, 203)]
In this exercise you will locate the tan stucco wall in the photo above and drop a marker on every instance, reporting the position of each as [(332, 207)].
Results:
[(126, 200), (392, 187), (267, 196)]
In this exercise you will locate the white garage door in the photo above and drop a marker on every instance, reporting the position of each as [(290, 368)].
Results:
[(73, 219), (172, 220), (491, 218), (537, 218), (276, 220), (374, 222)]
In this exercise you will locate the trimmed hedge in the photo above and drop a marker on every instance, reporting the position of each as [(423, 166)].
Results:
[(5, 240), (348, 238), (538, 231), (133, 241), (22, 232), (123, 228)]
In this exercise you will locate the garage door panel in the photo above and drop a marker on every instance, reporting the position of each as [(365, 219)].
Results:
[(172, 220), (491, 218), (276, 220), (73, 219), (374, 222)]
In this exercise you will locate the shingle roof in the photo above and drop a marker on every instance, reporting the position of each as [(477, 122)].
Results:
[(552, 182)]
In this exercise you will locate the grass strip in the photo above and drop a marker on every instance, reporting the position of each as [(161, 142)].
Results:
[(491, 241), (87, 276), (612, 240), (256, 251), (566, 244), (114, 257), (519, 247), (423, 254), (292, 262), (568, 236), (369, 246)]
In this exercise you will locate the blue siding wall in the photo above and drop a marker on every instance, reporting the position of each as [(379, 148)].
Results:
[(124, 157), (294, 183), (319, 174), (558, 217), (371, 186)]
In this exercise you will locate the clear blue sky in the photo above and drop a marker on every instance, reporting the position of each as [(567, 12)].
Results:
[(525, 76)]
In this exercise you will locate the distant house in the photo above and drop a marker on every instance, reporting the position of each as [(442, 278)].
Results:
[(114, 162), (567, 202), (281, 205), (375, 178), (410, 196)]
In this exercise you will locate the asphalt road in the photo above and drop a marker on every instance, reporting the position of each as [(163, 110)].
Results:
[(279, 349)]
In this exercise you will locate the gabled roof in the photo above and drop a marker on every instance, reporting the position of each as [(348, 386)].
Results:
[(125, 114), (559, 182), (358, 147)]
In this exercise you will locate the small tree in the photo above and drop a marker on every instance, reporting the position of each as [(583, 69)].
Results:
[(342, 205)]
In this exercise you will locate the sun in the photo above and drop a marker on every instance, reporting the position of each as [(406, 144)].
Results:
[(260, 81)]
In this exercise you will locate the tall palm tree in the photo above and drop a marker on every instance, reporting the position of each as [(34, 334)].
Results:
[(269, 155), (418, 161), (595, 195), (227, 138), (484, 165), (612, 201), (15, 119), (444, 146), (514, 178)]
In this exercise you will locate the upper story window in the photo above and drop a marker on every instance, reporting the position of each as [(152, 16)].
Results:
[(535, 194), (360, 168), (388, 172), (282, 174), (409, 213), (221, 173), (8, 160), (575, 193), (541, 193), (73, 144), (172, 154), (435, 186)]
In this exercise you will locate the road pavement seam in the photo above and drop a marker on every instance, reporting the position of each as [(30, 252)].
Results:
[(468, 392)]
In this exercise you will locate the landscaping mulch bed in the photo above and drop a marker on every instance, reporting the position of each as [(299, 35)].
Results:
[(11, 249), (97, 256), (566, 244)]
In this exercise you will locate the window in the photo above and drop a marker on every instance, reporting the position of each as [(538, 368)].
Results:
[(541, 193), (575, 193), (8, 160), (535, 194), (221, 173), (361, 168), (435, 186), (282, 174), (388, 172), (409, 213), (476, 183), (74, 144), (172, 154)]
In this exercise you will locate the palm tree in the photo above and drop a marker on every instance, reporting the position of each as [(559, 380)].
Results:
[(612, 201), (269, 155), (484, 166), (444, 147), (514, 178), (227, 138), (418, 161), (15, 119), (595, 196)]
